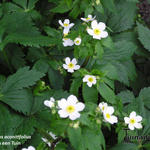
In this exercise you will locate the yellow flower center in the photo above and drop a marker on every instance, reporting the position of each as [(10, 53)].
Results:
[(90, 79), (97, 31), (65, 34), (77, 41), (88, 18), (66, 24), (132, 121), (107, 115), (70, 65), (103, 108), (70, 109)]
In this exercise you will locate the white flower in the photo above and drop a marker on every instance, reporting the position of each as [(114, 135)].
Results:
[(70, 66), (108, 115), (46, 140), (77, 41), (97, 30), (70, 107), (103, 106), (90, 79), (67, 42), (29, 148), (89, 18), (50, 103), (133, 121), (66, 24)]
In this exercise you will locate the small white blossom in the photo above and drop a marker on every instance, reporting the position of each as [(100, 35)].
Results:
[(77, 41), (103, 106), (70, 107), (46, 140), (66, 25), (90, 79), (50, 103), (89, 18), (133, 121), (29, 148), (67, 42), (108, 115), (97, 30), (70, 66)]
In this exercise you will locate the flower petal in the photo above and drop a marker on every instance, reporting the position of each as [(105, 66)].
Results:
[(90, 31), (65, 66), (67, 60), (66, 30), (113, 119), (66, 21), (94, 24), (109, 110), (101, 26), (131, 127), (62, 103), (74, 61), (72, 100), (138, 118), (60, 22), (71, 25), (89, 84), (74, 116), (104, 34), (31, 148), (97, 37), (63, 114), (80, 106), (127, 120), (138, 125), (70, 70), (133, 114), (76, 67)]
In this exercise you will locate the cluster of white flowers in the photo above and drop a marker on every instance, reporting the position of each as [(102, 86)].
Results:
[(67, 26), (29, 148), (108, 113), (133, 121), (97, 30), (69, 107)]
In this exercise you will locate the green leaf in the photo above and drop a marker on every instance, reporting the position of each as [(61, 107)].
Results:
[(74, 136), (144, 35), (95, 137), (122, 20), (31, 4), (74, 88), (41, 65), (90, 94), (55, 78), (22, 31), (126, 96), (109, 4), (106, 92), (145, 96), (22, 3), (107, 42), (21, 79), (19, 100), (61, 8), (99, 50)]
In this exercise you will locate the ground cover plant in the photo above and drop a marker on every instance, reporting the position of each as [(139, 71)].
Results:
[(75, 75)]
